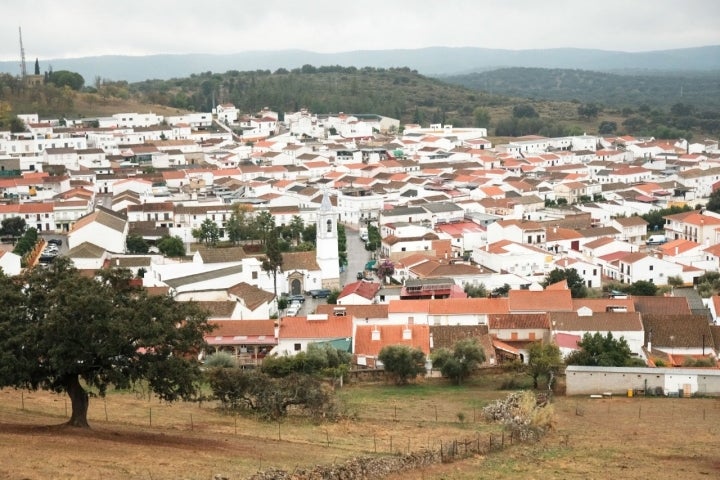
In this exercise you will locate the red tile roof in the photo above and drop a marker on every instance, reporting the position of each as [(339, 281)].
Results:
[(361, 288), (460, 306), (519, 321), (249, 332), (546, 300), (301, 327), (390, 335)]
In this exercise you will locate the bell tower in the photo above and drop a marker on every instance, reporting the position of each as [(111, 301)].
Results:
[(327, 244)]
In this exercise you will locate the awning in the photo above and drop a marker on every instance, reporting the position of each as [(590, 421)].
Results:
[(370, 265)]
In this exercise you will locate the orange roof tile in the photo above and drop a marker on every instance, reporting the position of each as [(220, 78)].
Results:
[(546, 300), (301, 327), (409, 306), (391, 335)]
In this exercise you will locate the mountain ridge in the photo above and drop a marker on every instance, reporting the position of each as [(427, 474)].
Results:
[(430, 61)]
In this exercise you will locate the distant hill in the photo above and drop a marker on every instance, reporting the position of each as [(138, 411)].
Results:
[(701, 89), (428, 61)]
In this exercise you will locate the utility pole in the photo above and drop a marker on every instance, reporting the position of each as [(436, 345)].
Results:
[(23, 67)]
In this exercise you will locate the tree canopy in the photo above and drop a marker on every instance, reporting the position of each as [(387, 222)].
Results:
[(65, 332), (136, 244), (575, 282), (62, 78), (597, 350), (12, 227), (713, 203), (457, 364), (171, 246), (402, 362), (544, 359)]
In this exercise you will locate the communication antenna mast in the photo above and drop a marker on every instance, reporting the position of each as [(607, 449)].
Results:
[(23, 68)]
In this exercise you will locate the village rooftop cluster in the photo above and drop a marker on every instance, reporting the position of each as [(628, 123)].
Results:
[(453, 210)]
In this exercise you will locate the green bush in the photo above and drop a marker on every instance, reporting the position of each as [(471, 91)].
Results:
[(220, 360)]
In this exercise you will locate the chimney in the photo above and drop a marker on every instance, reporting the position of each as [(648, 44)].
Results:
[(375, 335), (407, 333)]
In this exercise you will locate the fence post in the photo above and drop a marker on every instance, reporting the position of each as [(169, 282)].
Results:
[(192, 425), (235, 425), (22, 400), (435, 413), (150, 415), (375, 443), (502, 444), (105, 403), (327, 437)]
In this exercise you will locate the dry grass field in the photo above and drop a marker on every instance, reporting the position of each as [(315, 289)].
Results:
[(136, 437)]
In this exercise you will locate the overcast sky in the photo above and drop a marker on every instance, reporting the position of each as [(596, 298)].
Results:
[(78, 28)]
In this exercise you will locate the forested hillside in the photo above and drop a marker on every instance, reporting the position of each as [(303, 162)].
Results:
[(699, 89), (395, 92)]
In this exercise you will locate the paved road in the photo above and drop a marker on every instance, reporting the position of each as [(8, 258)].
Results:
[(357, 257)]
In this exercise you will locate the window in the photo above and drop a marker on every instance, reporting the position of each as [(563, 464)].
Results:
[(254, 275), (297, 347), (651, 267), (329, 226)]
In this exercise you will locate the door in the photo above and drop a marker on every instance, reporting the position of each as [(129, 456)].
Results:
[(295, 287)]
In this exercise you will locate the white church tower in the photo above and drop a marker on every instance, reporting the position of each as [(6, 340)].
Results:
[(327, 244)]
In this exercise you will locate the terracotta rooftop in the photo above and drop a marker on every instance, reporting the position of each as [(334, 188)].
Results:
[(546, 300), (597, 322), (300, 261), (301, 327), (361, 288), (221, 255), (678, 331), (414, 336), (602, 304), (662, 305), (519, 321), (251, 295), (360, 312)]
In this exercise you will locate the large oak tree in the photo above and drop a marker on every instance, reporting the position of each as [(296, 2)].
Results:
[(66, 332)]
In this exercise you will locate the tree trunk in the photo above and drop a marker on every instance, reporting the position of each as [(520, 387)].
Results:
[(80, 401)]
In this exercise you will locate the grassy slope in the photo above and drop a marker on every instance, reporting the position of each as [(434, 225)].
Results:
[(608, 438)]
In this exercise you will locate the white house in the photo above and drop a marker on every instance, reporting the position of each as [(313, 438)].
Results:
[(627, 325), (641, 266), (104, 228), (296, 333), (10, 263)]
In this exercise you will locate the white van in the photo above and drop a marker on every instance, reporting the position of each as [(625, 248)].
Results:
[(656, 239)]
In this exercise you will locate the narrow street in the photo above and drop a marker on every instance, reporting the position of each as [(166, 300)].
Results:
[(357, 256)]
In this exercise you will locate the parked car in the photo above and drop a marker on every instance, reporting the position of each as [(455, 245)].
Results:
[(291, 311), (55, 241), (360, 275), (297, 298), (320, 293)]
